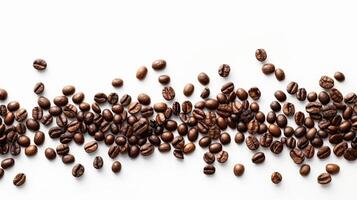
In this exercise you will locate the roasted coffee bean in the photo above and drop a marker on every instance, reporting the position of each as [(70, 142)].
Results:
[(3, 94), (62, 149), (304, 170), (39, 138), (252, 143), (281, 120), (23, 141), (100, 98), (7, 163), (50, 153), (260, 55), (280, 95), (189, 148), (209, 158), (168, 93), (339, 76), (141, 72), (299, 118), (32, 125), (147, 149), (301, 94), (242, 94), (350, 154), (209, 170), (116, 167), (274, 130), (178, 153), (203, 78), (19, 179), (324, 178), (144, 99), (279, 74), (78, 170), (2, 172), (40, 64), (312, 96), (98, 162), (350, 98), (268, 68), (336, 95), (340, 149), (78, 97), (238, 169), (39, 88), (288, 109), (164, 147), (239, 138), (113, 151), (44, 103), (222, 157), (37, 113), (13, 106), (225, 138), (113, 98), (254, 93), (258, 158), (326, 82), (215, 147), (276, 177), (91, 147), (31, 150), (297, 156), (276, 147), (332, 168), (188, 89), (309, 151), (68, 159), (224, 70), (227, 88), (265, 140), (117, 82), (323, 152), (275, 106), (133, 151), (313, 108), (292, 88), (205, 93), (164, 79), (159, 64)]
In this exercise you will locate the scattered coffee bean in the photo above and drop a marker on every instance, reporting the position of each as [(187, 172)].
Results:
[(326, 82), (168, 93), (324, 178), (238, 169), (339, 76), (50, 153), (164, 79), (91, 147), (141, 72), (117, 82), (7, 163), (258, 158), (116, 167), (19, 179), (280, 95), (209, 170), (78, 170), (260, 55), (39, 88), (3, 94), (304, 170), (276, 177), (279, 74), (332, 168), (98, 162), (68, 90), (224, 70), (203, 78), (40, 64), (188, 89), (31, 150), (159, 64)]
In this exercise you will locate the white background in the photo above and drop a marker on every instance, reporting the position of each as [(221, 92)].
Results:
[(88, 43)]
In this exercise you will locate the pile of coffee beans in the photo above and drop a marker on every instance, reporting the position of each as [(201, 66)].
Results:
[(135, 126)]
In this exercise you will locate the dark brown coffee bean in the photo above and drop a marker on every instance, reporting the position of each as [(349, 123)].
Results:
[(133, 151), (113, 151), (279, 74), (78, 170), (323, 152), (78, 97), (39, 138), (164, 79), (242, 94), (292, 88), (312, 96), (50, 153), (254, 93), (44, 103), (313, 108), (252, 143), (189, 148), (68, 159), (98, 162), (275, 106), (339, 76), (260, 55), (164, 147), (276, 147), (91, 146), (276, 177), (40, 64), (336, 95), (215, 147), (224, 70), (13, 106), (268, 68), (304, 170), (301, 94), (3, 94), (188, 89), (178, 153), (116, 167), (350, 154), (326, 82), (68, 90), (159, 64), (297, 156), (144, 99), (62, 149), (258, 158), (39, 88), (117, 82), (23, 140), (222, 157), (324, 178), (274, 130), (7, 163), (32, 125), (147, 149), (209, 158), (340, 149), (209, 170), (332, 168), (280, 95), (31, 150), (238, 169), (134, 108), (225, 138), (37, 113), (19, 179), (288, 109), (168, 93), (100, 98), (141, 72), (239, 138)]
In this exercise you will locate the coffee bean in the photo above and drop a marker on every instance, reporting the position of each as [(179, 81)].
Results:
[(311, 96), (209, 170), (32, 125), (116, 167), (313, 108), (205, 93), (98, 162), (225, 138), (141, 72), (78, 97), (125, 100), (279, 74), (304, 170), (50, 153), (260, 55), (275, 106), (339, 76), (254, 93), (276, 147), (224, 70), (178, 153), (147, 149), (301, 94), (222, 156), (189, 148), (78, 170), (324, 178), (40, 64), (203, 78), (91, 147), (3, 94), (164, 79), (323, 152), (268, 68), (280, 95), (19, 179), (44, 103), (276, 177), (258, 158), (242, 94), (68, 90), (297, 156), (332, 168), (39, 88), (209, 158), (7, 163), (68, 159), (117, 82), (168, 93), (336, 95), (288, 109), (340, 149), (13, 106), (144, 99), (159, 64), (100, 98), (188, 89), (62, 149), (164, 147), (326, 82), (31, 150), (215, 147), (238, 169), (252, 143), (2, 172)]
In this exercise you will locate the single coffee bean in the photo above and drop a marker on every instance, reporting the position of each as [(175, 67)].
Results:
[(238, 169), (147, 149), (68, 159), (239, 138), (164, 79), (268, 68), (159, 64), (215, 147), (252, 142), (288, 109), (7, 163), (205, 93), (31, 150), (37, 113), (188, 89), (339, 76), (224, 70), (78, 170), (279, 74), (98, 162), (276, 147), (209, 170), (39, 88), (336, 95), (304, 170), (168, 93), (203, 78), (68, 90), (275, 106), (260, 55), (312, 96), (50, 153), (32, 125), (209, 158), (258, 158), (117, 82), (332, 168), (242, 94), (280, 95), (13, 106), (144, 99), (141, 73), (44, 103), (116, 167), (164, 147), (91, 147), (326, 82), (276, 177), (222, 156), (40, 64), (301, 94), (62, 149), (254, 93), (324, 178), (19, 179), (189, 148), (297, 156), (340, 149), (323, 152), (78, 97), (292, 88), (3, 94)]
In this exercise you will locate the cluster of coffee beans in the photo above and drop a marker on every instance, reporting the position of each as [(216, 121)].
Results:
[(136, 127)]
